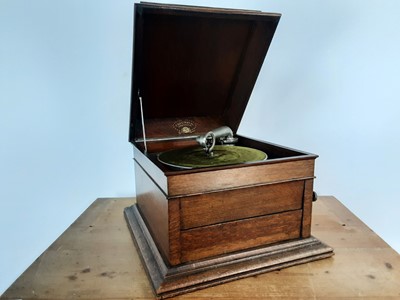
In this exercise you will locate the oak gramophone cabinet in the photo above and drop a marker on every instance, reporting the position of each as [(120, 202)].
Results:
[(194, 69)]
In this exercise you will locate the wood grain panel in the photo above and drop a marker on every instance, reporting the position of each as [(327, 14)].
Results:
[(153, 207), (307, 208), (199, 182), (227, 237), (174, 231), (207, 209)]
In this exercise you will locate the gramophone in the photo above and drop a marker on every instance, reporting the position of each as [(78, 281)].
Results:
[(212, 206)]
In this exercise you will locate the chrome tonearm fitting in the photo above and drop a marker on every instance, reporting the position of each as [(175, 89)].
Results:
[(222, 135)]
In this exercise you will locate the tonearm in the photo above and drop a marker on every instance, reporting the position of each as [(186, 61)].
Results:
[(222, 135)]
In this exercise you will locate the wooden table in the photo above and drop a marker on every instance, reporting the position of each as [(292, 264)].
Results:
[(96, 259)]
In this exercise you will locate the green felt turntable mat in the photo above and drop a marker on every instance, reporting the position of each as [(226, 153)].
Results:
[(190, 158)]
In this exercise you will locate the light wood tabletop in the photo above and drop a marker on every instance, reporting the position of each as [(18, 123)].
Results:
[(95, 258)]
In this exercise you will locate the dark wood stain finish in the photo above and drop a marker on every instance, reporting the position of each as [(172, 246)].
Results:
[(174, 232), (236, 204), (307, 208), (232, 236), (154, 207), (239, 176)]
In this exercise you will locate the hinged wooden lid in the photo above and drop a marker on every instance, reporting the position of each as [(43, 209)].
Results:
[(194, 66)]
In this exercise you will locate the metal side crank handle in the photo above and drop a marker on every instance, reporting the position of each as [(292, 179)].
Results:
[(222, 135), (314, 196)]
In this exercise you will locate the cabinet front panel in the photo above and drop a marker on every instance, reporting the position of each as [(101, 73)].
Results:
[(232, 236), (244, 176), (223, 206)]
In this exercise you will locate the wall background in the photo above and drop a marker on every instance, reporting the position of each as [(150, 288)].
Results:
[(329, 85)]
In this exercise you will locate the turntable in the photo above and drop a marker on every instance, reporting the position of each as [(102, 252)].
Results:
[(211, 155), (212, 206)]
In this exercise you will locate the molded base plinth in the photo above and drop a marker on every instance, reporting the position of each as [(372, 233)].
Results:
[(170, 281)]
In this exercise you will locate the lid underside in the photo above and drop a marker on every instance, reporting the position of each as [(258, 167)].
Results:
[(192, 62)]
